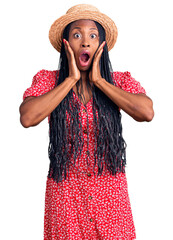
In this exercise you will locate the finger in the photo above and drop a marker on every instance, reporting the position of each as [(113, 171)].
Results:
[(90, 75), (98, 55), (66, 44), (68, 49), (100, 50), (101, 46)]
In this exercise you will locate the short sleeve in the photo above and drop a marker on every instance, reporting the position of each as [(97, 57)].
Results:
[(42, 83), (126, 82)]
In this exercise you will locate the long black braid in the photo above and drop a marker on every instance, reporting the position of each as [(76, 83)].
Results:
[(108, 127)]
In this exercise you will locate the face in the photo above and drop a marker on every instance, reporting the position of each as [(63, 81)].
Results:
[(84, 41)]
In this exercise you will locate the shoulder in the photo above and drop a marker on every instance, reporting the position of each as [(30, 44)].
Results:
[(45, 76), (120, 77), (126, 82), (42, 82)]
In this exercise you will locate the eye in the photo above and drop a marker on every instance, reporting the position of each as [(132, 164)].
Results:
[(93, 35), (77, 35)]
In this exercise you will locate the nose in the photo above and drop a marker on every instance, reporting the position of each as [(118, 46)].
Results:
[(85, 42), (85, 45)]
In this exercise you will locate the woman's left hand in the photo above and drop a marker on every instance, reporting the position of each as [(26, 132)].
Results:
[(94, 74)]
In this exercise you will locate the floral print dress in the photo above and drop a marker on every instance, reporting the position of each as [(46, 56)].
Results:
[(86, 206)]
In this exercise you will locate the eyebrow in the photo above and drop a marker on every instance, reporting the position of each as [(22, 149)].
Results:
[(89, 29)]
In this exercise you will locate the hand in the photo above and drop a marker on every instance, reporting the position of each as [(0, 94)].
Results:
[(94, 74), (73, 69)]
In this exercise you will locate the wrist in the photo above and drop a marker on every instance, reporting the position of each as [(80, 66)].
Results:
[(72, 80), (98, 81)]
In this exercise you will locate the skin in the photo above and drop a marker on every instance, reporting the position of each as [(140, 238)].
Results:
[(84, 35)]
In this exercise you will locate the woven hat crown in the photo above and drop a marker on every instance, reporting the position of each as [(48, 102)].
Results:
[(82, 7)]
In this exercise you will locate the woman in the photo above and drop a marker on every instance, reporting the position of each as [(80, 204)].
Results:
[(86, 193)]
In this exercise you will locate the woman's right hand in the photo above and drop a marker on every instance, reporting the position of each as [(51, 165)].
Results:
[(74, 72)]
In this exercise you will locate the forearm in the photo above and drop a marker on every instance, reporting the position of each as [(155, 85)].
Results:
[(34, 109), (138, 106)]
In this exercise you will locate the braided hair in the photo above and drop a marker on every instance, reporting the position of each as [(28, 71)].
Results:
[(110, 145)]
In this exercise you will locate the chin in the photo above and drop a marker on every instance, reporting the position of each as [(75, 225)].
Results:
[(85, 68)]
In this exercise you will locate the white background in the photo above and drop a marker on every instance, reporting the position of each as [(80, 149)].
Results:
[(144, 48)]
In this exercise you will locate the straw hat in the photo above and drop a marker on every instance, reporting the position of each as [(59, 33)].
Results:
[(82, 11)]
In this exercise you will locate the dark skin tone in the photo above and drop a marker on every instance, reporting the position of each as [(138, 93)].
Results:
[(84, 35)]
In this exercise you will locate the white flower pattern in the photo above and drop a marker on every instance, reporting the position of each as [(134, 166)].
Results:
[(87, 207)]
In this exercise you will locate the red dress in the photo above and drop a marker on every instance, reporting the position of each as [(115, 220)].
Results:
[(86, 206)]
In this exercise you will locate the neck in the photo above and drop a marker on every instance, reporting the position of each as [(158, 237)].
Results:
[(84, 75), (83, 83)]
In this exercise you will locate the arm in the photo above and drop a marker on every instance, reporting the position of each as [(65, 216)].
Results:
[(138, 106), (35, 109)]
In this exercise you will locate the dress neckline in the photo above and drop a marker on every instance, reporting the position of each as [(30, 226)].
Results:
[(85, 105)]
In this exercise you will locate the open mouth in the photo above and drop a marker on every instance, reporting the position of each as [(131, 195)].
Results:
[(84, 58)]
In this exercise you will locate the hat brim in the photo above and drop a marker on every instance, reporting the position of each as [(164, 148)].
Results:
[(57, 28)]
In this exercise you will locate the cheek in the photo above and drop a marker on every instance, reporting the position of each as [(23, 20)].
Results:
[(74, 49), (73, 46), (96, 45)]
